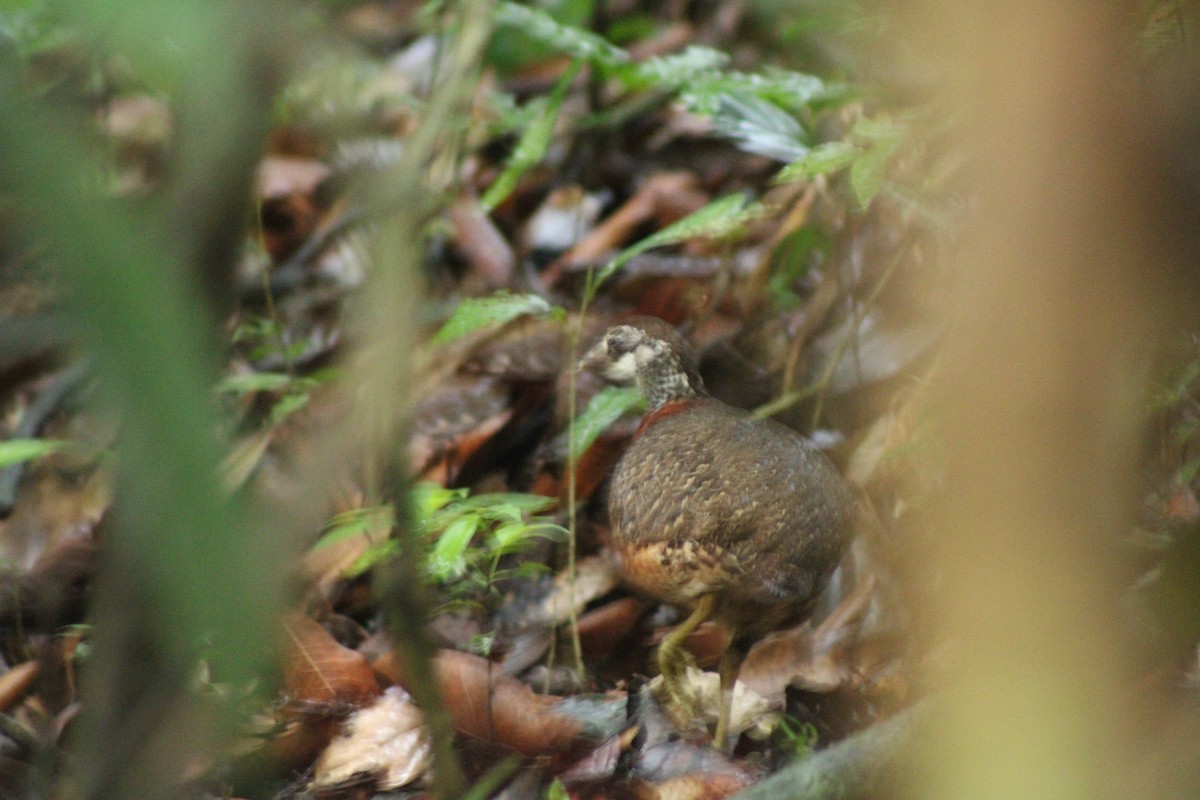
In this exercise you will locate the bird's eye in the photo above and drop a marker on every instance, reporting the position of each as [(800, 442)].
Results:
[(618, 345)]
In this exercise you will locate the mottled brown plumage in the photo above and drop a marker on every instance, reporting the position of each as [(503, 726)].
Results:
[(739, 519)]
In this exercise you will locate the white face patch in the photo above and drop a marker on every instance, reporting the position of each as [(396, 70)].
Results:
[(648, 352), (622, 370)]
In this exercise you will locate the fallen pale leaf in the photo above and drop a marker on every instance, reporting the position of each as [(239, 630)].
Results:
[(387, 739)]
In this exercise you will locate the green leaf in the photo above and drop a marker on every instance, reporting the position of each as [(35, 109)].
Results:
[(533, 145), (446, 560), (476, 313), (355, 522), (376, 553), (821, 160), (16, 451), (883, 137), (528, 503), (427, 497), (792, 91), (578, 43), (674, 71), (556, 791), (602, 410), (718, 219), (287, 405), (867, 174), (249, 382), (759, 126)]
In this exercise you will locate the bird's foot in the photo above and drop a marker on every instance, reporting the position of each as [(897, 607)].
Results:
[(676, 693)]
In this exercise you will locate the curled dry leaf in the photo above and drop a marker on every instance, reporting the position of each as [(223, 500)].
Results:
[(387, 739), (319, 671), (817, 659), (488, 705), (595, 576)]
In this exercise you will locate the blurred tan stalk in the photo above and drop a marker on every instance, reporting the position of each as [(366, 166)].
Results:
[(1060, 291)]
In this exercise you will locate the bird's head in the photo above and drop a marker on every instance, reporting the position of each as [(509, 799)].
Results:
[(650, 354)]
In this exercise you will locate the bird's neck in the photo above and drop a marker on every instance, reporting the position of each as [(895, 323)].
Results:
[(665, 381)]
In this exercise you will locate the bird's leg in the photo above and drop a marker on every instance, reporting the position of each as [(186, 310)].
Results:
[(673, 659), (731, 664)]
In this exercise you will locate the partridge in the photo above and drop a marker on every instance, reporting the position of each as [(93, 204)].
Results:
[(738, 519)]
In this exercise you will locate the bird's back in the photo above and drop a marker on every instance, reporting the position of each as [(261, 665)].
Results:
[(709, 499)]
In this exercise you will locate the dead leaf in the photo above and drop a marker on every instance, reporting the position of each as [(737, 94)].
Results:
[(319, 671), (279, 176), (595, 576), (387, 739), (814, 659), (489, 705), (16, 683), (666, 196), (485, 248)]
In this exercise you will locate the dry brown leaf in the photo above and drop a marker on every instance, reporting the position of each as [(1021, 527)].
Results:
[(595, 576), (814, 659), (279, 176), (665, 194), (485, 248), (15, 683), (701, 786), (488, 705), (318, 670), (387, 739), (602, 629)]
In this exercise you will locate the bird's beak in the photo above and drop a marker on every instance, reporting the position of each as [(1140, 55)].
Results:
[(596, 359)]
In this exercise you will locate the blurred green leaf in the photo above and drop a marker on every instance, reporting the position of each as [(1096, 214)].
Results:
[(476, 313), (673, 71), (718, 219), (881, 137), (528, 503), (542, 27), (820, 160), (287, 405), (532, 147), (249, 382), (355, 522), (446, 560), (16, 451), (759, 126), (427, 498), (605, 408), (376, 553)]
